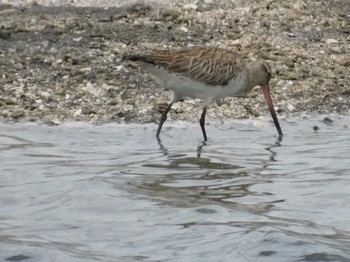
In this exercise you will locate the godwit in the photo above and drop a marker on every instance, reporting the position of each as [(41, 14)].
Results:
[(206, 73)]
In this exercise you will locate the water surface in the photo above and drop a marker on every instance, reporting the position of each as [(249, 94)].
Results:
[(78, 192)]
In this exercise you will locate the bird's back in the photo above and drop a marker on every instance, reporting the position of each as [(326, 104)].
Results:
[(211, 66)]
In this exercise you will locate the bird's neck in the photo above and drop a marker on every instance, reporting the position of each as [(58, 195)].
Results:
[(252, 76)]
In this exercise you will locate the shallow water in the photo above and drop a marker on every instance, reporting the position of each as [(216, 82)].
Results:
[(78, 192)]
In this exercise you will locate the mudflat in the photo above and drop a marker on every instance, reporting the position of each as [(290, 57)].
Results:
[(64, 63)]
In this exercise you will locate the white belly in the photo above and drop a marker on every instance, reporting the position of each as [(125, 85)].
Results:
[(187, 87)]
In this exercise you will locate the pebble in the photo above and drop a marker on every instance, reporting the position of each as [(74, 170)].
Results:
[(190, 6), (344, 62), (53, 50), (184, 29), (92, 89), (88, 81), (119, 67), (290, 107), (336, 50), (9, 100), (327, 121), (331, 41), (6, 113), (77, 39), (46, 95), (78, 112), (17, 114)]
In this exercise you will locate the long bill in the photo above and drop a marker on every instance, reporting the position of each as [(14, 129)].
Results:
[(266, 91)]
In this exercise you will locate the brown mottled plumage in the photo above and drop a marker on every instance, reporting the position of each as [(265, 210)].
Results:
[(205, 73), (219, 68)]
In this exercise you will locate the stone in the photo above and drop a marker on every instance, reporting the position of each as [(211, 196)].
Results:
[(17, 114), (69, 66), (331, 41)]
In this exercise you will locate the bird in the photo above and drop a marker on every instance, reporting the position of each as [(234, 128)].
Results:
[(207, 73)]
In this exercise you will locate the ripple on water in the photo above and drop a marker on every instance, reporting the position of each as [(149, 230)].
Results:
[(113, 193)]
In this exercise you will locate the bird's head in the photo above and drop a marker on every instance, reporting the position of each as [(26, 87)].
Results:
[(260, 75)]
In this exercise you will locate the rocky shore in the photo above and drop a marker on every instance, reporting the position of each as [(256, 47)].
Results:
[(64, 63)]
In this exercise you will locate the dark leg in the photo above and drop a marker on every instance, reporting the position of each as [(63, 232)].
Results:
[(163, 118), (199, 148), (202, 122)]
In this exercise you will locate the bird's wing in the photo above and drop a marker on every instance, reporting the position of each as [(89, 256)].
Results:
[(213, 66)]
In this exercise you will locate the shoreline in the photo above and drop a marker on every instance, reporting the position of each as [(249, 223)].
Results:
[(63, 64)]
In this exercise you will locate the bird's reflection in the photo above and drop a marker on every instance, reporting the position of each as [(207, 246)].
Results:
[(165, 151), (179, 159), (162, 148), (200, 147), (274, 145), (273, 153), (210, 178)]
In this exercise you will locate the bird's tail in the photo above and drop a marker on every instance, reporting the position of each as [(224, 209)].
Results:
[(138, 58)]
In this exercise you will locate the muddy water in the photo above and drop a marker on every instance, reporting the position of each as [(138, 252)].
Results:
[(78, 192)]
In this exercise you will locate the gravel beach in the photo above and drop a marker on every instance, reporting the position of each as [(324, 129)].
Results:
[(64, 63)]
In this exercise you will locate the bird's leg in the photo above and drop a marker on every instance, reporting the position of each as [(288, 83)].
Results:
[(202, 122), (163, 118)]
